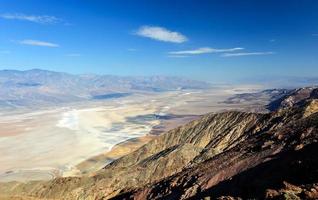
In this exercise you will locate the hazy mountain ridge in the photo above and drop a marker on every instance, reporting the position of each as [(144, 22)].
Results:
[(37, 87), (282, 81), (246, 155), (273, 94)]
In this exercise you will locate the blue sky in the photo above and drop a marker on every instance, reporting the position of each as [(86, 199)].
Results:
[(216, 41)]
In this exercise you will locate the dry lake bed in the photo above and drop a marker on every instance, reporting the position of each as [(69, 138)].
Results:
[(81, 138)]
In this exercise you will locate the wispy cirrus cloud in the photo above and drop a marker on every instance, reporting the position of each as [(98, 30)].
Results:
[(177, 56), (41, 19), (247, 54), (314, 34), (204, 50), (38, 43), (161, 34)]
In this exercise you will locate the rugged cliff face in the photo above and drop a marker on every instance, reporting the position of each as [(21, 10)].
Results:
[(236, 154)]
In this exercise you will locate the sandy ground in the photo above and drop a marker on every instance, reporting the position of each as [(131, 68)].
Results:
[(82, 138)]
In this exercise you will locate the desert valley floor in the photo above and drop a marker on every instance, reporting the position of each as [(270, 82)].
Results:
[(81, 138)]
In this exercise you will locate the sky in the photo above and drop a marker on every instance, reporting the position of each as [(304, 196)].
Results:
[(216, 41)]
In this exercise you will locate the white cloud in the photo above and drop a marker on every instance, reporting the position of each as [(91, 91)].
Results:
[(161, 34), (73, 55), (41, 19), (38, 43), (204, 50), (246, 54), (177, 56)]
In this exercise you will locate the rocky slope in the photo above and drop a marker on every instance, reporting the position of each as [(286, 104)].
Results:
[(263, 161), (293, 97), (225, 155)]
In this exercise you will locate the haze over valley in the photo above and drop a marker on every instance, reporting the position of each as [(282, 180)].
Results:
[(57, 116)]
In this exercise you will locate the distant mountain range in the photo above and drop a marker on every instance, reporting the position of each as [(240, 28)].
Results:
[(41, 87), (287, 82)]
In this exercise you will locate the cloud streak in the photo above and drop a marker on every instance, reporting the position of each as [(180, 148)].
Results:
[(40, 19), (177, 56), (161, 34), (204, 50), (38, 43), (246, 54)]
